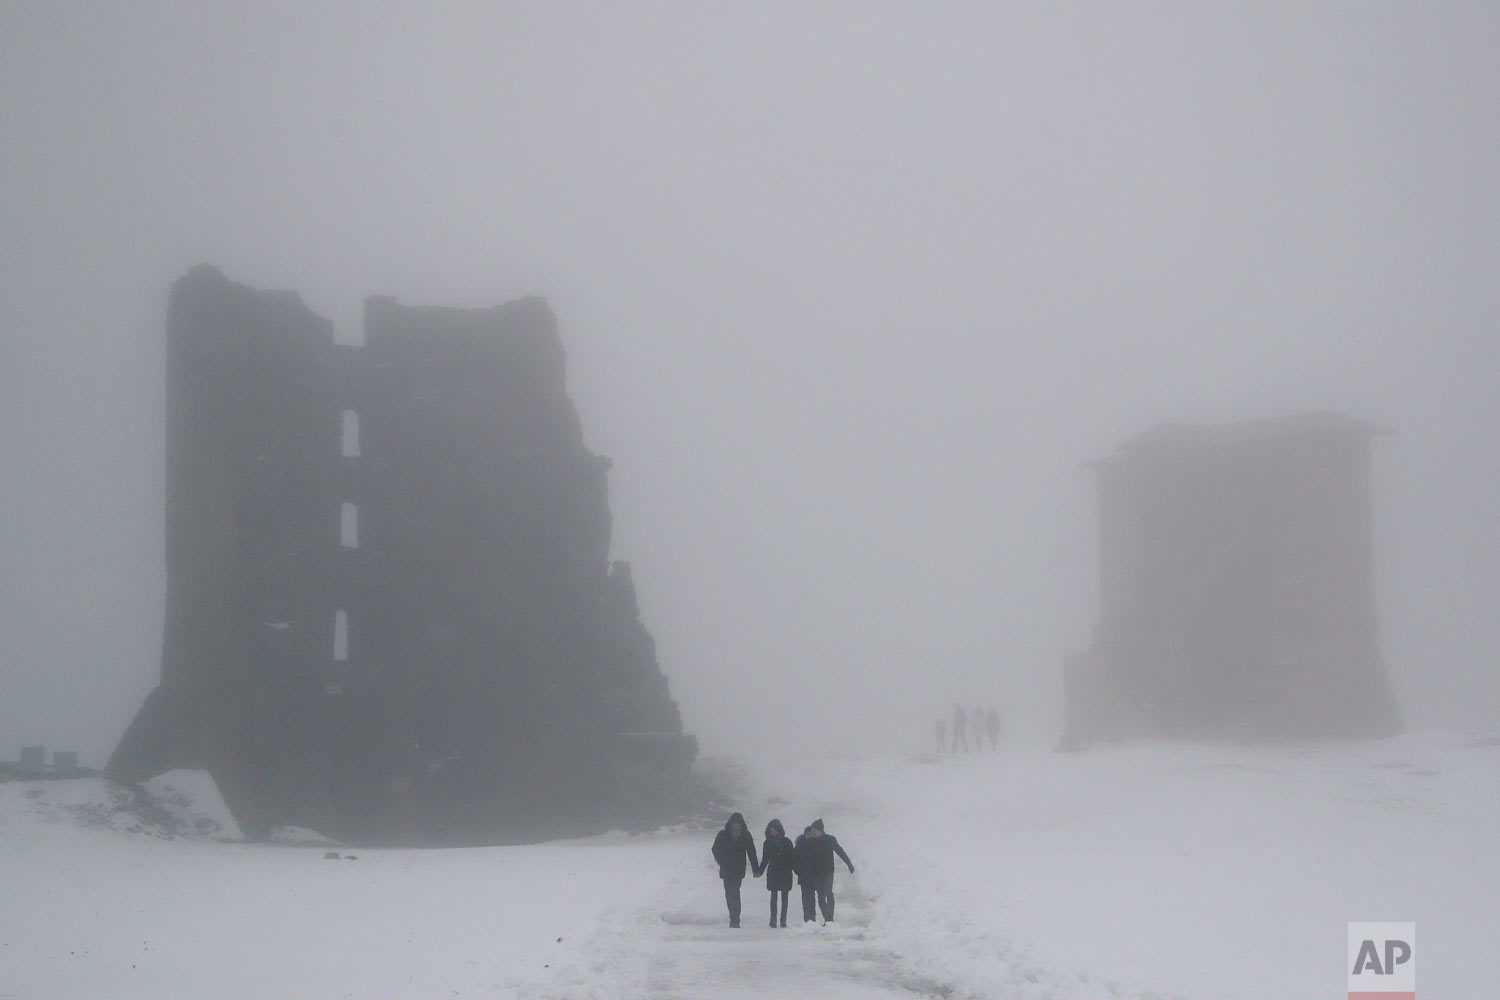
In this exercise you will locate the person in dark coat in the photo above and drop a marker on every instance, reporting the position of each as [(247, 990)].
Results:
[(776, 862), (802, 866), (732, 848), (992, 727), (821, 849)]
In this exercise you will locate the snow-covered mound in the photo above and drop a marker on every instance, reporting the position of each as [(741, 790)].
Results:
[(193, 802), (177, 804), (299, 835)]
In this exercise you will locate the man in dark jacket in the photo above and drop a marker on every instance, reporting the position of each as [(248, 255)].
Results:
[(802, 865), (733, 847), (821, 847), (992, 727)]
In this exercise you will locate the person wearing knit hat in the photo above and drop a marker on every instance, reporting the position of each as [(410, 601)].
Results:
[(821, 848)]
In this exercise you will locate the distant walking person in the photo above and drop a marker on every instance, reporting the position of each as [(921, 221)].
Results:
[(821, 849), (940, 730), (732, 848), (960, 723), (978, 729), (992, 727), (776, 861)]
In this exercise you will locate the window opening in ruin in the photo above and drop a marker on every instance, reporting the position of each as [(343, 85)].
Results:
[(349, 526), (351, 434), (340, 636)]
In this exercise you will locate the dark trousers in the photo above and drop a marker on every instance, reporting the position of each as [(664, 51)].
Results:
[(783, 893), (732, 897), (824, 887), (809, 901)]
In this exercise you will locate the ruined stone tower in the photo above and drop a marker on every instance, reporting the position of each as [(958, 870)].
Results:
[(1237, 587), (390, 611)]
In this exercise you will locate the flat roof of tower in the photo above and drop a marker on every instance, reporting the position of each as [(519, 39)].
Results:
[(1179, 437)]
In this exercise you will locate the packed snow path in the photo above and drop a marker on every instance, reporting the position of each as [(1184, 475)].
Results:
[(696, 957), (694, 953), (678, 945)]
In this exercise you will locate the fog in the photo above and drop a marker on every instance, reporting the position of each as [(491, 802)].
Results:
[(850, 294)]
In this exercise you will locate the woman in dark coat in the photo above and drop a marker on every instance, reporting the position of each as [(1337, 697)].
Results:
[(776, 862), (732, 847)]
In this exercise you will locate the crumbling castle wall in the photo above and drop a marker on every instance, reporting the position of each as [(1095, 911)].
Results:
[(391, 614)]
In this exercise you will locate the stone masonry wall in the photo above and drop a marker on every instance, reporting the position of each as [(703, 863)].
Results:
[(418, 640)]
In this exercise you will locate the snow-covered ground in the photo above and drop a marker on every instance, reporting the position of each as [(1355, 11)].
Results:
[(1131, 872)]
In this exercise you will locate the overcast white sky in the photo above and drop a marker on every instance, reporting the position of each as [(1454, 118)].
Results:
[(849, 293)]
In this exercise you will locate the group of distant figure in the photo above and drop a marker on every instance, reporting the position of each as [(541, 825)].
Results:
[(809, 858), (986, 723)]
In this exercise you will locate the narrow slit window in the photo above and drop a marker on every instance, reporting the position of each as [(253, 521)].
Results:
[(349, 526), (351, 434), (340, 636)]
